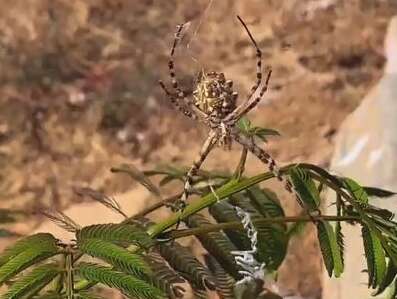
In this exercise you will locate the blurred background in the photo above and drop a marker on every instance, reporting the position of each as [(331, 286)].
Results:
[(79, 94)]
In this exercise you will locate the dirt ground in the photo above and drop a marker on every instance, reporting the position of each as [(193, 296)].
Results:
[(79, 92)]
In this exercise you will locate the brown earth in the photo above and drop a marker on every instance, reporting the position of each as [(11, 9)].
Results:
[(79, 91)]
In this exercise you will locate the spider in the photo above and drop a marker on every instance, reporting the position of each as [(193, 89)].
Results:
[(214, 103)]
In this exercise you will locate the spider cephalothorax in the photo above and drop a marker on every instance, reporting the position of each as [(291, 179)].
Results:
[(214, 103), (214, 95)]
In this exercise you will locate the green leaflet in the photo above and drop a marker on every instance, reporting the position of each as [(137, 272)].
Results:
[(41, 239), (340, 241), (182, 260), (29, 256), (375, 255), (377, 192), (356, 191), (127, 284), (329, 248), (35, 280), (217, 244), (305, 187), (390, 275), (245, 126), (116, 256), (265, 201), (116, 233)]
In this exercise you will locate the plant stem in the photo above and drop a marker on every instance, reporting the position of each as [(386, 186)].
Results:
[(69, 274), (153, 207), (238, 173), (237, 224)]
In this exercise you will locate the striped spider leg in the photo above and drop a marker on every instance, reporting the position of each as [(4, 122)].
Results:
[(262, 155)]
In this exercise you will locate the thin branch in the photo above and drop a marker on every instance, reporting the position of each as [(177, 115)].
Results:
[(238, 173), (69, 276), (155, 206), (174, 234)]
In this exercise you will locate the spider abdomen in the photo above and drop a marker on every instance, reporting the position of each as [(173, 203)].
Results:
[(214, 95)]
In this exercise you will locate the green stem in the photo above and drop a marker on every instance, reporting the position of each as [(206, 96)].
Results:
[(197, 205), (69, 275), (238, 173), (234, 186)]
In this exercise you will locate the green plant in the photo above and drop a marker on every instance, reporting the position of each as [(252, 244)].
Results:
[(246, 239)]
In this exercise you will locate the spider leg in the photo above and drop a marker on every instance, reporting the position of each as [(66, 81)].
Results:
[(175, 102), (205, 150), (188, 108), (249, 144), (238, 114), (180, 93), (258, 70)]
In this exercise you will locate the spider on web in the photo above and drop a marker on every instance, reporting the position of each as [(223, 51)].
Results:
[(214, 103)]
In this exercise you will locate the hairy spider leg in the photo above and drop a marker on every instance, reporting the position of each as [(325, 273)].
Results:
[(180, 96), (235, 117), (269, 161), (208, 145), (173, 99), (258, 71)]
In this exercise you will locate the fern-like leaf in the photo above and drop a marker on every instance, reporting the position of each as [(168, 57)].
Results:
[(186, 264), (223, 211), (305, 187), (388, 279), (377, 192), (32, 282), (26, 243), (375, 255), (103, 199), (340, 241), (164, 277), (356, 191), (217, 244), (265, 202), (224, 282), (129, 285), (117, 233), (62, 220), (116, 256), (139, 176), (37, 252), (329, 248)]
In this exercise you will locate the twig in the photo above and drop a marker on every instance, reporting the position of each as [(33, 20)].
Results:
[(174, 234)]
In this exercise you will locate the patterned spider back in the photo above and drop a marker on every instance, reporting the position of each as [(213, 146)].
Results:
[(214, 95)]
